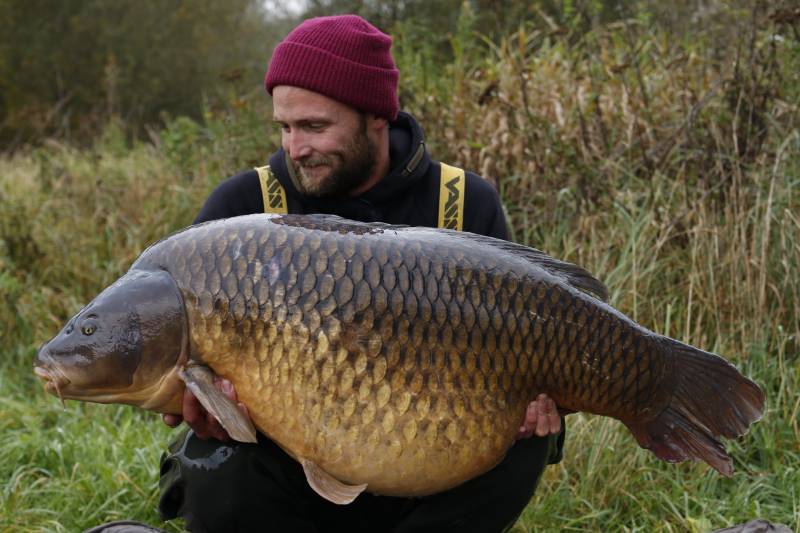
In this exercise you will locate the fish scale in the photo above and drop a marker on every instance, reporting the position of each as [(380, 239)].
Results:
[(404, 358)]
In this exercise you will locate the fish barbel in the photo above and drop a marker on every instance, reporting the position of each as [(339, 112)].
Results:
[(393, 358)]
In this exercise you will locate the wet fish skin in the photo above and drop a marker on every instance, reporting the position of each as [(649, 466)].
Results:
[(404, 358)]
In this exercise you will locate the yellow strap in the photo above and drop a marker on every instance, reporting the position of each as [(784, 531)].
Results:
[(272, 192), (451, 197)]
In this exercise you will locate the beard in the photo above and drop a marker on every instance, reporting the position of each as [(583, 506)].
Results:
[(349, 168)]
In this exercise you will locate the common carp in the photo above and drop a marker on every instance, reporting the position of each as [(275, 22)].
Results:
[(394, 359)]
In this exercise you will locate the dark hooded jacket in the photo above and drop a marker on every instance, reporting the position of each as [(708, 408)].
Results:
[(408, 195)]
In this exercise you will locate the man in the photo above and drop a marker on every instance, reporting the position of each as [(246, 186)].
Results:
[(346, 150)]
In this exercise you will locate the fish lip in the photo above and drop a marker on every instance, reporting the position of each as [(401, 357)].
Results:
[(47, 370), (53, 381)]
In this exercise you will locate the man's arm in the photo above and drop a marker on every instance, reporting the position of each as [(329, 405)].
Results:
[(236, 196), (483, 212)]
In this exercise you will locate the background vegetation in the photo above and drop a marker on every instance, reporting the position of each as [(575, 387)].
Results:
[(657, 146)]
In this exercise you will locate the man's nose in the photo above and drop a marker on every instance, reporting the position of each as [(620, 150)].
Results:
[(296, 144)]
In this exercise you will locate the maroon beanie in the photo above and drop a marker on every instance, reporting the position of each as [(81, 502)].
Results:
[(343, 57)]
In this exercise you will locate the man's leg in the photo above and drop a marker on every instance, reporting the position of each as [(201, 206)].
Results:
[(257, 487), (235, 487), (490, 503)]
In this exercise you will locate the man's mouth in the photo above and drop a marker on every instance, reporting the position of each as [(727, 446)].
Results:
[(313, 166)]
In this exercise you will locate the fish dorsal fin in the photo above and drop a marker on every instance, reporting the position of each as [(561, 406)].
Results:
[(328, 486), (200, 380), (568, 272), (335, 223), (574, 275)]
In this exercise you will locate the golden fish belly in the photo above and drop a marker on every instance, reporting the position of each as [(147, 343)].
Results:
[(402, 363), (380, 410)]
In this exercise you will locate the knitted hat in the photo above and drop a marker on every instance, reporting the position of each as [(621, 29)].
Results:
[(343, 57)]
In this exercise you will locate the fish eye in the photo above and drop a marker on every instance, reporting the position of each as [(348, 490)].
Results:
[(88, 329)]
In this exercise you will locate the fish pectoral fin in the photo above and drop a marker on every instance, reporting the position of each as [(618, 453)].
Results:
[(328, 486), (200, 380)]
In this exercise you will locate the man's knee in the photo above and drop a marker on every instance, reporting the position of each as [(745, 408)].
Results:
[(216, 486), (491, 502)]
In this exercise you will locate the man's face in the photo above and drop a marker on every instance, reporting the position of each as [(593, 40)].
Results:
[(331, 146)]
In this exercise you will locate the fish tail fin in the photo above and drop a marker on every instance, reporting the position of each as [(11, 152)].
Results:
[(711, 399)]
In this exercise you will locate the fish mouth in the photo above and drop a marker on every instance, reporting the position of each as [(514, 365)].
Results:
[(54, 380)]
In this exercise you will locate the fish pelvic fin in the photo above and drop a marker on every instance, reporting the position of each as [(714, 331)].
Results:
[(328, 486), (711, 399), (200, 380)]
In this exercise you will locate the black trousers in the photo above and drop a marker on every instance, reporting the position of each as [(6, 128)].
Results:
[(234, 487)]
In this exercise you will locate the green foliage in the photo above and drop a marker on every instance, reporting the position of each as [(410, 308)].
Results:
[(81, 62), (230, 137)]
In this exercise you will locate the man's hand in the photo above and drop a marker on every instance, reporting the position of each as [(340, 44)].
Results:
[(542, 418), (203, 423)]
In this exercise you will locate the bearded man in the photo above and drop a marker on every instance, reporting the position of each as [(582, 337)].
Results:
[(346, 149)]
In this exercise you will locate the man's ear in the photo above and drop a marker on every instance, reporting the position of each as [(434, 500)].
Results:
[(376, 123)]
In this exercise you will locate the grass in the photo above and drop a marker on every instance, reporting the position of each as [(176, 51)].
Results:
[(657, 165), (67, 469)]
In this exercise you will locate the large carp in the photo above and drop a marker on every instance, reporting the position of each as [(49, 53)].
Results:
[(393, 358)]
